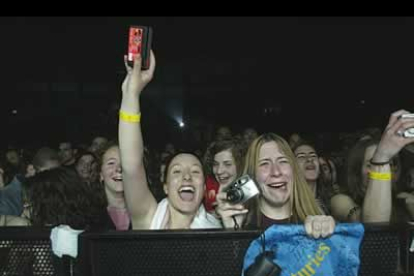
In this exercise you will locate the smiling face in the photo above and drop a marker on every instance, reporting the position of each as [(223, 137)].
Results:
[(185, 183), (274, 175), (111, 173), (224, 167), (86, 168)]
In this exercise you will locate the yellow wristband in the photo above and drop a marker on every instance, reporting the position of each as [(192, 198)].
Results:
[(129, 117), (379, 176)]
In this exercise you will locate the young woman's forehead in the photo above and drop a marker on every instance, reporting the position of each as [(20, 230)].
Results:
[(305, 148), (224, 154), (112, 152), (185, 159), (270, 148)]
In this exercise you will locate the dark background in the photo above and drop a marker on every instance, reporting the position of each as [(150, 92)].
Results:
[(61, 76)]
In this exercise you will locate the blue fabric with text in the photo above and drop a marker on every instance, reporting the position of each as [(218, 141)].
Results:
[(299, 255)]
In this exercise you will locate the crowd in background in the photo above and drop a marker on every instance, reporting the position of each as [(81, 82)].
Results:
[(106, 184)]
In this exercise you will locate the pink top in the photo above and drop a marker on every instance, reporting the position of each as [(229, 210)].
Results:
[(120, 217)]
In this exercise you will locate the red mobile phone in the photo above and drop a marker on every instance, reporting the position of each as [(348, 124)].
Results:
[(139, 42)]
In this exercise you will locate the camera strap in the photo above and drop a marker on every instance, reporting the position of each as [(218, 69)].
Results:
[(236, 225)]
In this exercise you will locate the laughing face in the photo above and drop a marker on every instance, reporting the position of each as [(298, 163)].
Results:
[(308, 162), (86, 168), (111, 173), (274, 175), (224, 167), (185, 183)]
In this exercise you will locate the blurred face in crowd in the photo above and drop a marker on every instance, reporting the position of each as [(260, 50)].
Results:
[(274, 175), (169, 148), (223, 133), (86, 168), (66, 153), (111, 172), (325, 170), (293, 139), (224, 167), (164, 156), (97, 144), (13, 157), (308, 162), (249, 135), (185, 183)]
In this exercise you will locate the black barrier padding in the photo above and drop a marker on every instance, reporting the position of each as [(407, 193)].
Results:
[(192, 253), (211, 252), (379, 251), (25, 251)]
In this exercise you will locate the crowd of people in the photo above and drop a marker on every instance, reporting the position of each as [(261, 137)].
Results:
[(121, 185)]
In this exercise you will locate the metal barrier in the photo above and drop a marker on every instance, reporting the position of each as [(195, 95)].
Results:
[(27, 251)]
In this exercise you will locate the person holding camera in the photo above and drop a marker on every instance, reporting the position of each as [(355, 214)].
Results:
[(285, 196), (370, 174), (184, 181), (224, 159)]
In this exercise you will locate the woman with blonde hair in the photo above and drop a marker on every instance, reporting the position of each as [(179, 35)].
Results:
[(285, 196)]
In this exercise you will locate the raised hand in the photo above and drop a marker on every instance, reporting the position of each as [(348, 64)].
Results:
[(392, 140), (136, 79)]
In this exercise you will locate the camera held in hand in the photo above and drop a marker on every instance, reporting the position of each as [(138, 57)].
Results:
[(241, 190), (409, 132)]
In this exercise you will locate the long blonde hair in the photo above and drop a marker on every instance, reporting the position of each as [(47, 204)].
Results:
[(303, 202)]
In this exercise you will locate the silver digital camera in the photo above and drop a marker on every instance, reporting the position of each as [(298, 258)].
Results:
[(409, 132), (241, 190)]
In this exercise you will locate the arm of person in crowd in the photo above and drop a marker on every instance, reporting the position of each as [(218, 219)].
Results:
[(141, 203), (344, 209), (378, 198), (11, 198), (15, 221)]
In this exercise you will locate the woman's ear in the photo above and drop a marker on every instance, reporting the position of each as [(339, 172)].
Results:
[(165, 187)]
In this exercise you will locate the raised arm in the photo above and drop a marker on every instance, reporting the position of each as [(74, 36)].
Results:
[(140, 201), (378, 198)]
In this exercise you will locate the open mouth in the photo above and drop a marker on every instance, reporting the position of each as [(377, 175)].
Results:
[(310, 168), (187, 193), (117, 179), (277, 185), (223, 179)]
